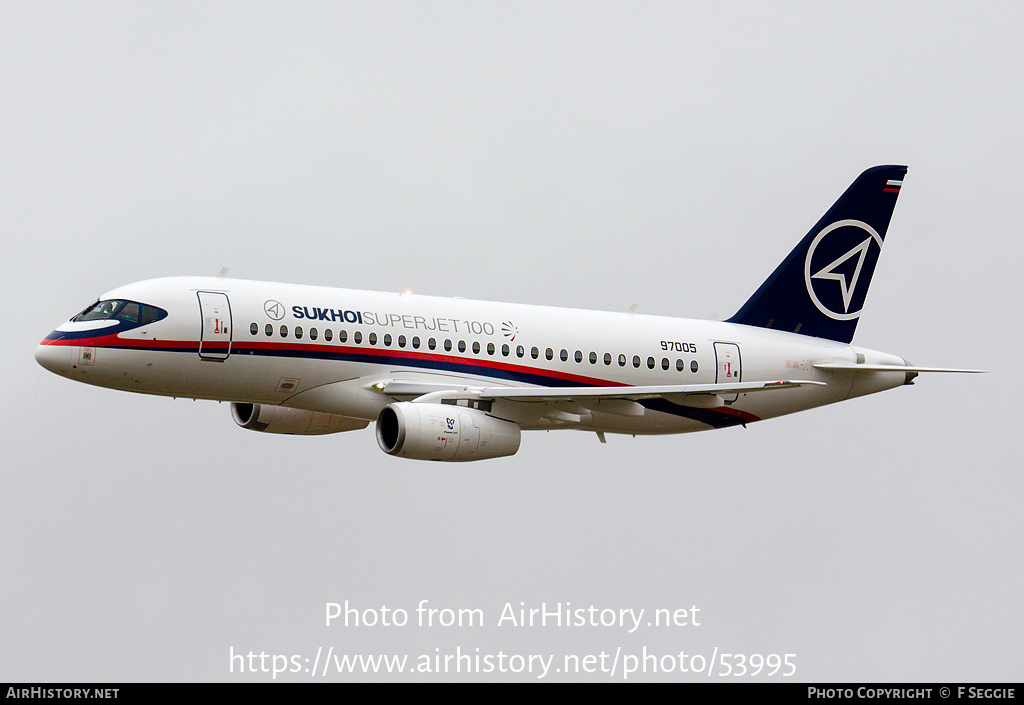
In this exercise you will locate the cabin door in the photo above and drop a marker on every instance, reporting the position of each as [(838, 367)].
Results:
[(215, 322)]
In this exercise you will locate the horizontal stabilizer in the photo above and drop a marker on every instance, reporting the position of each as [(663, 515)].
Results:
[(846, 367)]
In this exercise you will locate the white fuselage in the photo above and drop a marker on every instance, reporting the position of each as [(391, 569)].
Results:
[(333, 350)]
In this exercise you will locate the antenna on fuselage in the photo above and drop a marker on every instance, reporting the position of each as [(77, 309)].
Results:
[(223, 272)]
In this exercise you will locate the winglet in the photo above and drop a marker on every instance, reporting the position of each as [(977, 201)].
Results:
[(819, 289)]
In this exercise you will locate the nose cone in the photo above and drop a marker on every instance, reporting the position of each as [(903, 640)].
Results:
[(55, 358)]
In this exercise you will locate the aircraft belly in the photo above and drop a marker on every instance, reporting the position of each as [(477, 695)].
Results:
[(652, 423), (677, 419), (343, 398)]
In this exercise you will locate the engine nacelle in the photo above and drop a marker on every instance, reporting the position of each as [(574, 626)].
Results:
[(444, 432), (280, 419)]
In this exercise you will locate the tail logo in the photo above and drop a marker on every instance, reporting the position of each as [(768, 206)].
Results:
[(845, 270)]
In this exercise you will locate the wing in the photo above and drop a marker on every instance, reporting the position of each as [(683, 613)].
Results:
[(436, 393)]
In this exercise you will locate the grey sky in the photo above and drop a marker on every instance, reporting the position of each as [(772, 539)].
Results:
[(575, 154)]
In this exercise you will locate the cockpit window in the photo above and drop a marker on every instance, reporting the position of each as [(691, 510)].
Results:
[(127, 311), (149, 314), (100, 311)]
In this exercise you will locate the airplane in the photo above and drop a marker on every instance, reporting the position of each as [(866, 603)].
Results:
[(451, 379)]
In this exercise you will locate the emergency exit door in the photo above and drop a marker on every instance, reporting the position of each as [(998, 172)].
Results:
[(215, 321), (730, 370)]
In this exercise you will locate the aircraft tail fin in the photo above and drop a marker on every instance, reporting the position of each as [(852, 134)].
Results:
[(819, 289)]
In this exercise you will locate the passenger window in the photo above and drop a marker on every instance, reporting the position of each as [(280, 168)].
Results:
[(607, 358), (284, 331), (693, 366), (664, 363), (401, 341), (564, 355), (679, 365), (387, 339), (254, 329), (431, 343), (650, 363), (447, 345), (328, 335), (504, 350), (416, 342), (490, 348), (549, 354), (476, 348), (520, 351), (593, 357), (462, 346), (269, 330), (312, 333), (298, 332), (622, 360), (372, 339), (579, 356), (343, 336), (636, 361), (357, 337)]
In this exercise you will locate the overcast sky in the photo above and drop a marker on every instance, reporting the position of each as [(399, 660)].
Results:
[(590, 155)]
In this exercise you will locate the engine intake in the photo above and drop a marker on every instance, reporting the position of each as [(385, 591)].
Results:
[(444, 432)]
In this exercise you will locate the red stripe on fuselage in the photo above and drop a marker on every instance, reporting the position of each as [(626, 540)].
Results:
[(113, 341), (429, 357)]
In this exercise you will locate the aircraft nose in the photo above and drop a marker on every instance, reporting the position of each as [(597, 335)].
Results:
[(55, 358)]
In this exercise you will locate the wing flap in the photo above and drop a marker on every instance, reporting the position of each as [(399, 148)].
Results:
[(593, 394), (395, 388)]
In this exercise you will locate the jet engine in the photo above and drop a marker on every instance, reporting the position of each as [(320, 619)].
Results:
[(280, 419), (444, 432)]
